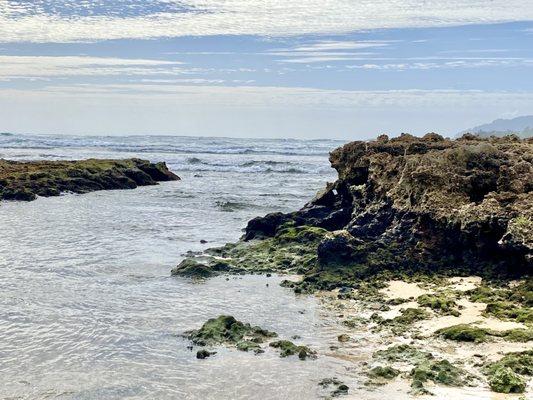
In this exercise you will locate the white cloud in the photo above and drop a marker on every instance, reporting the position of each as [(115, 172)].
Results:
[(255, 17), (450, 64), (248, 111), (259, 96), (31, 67)]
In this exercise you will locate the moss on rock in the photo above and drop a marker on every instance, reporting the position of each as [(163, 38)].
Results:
[(225, 329), (505, 380), (382, 373), (442, 372), (288, 348), (464, 333), (25, 181), (440, 302)]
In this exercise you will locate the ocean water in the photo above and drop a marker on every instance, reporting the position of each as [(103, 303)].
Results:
[(88, 307)]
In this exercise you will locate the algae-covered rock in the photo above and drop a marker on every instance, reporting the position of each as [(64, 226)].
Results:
[(425, 367), (380, 372), (192, 268), (464, 333), (291, 250), (441, 303), (505, 380), (409, 316), (419, 205), (25, 181), (225, 329), (442, 372), (518, 335), (338, 387), (403, 353), (520, 362), (288, 348), (510, 311), (402, 207)]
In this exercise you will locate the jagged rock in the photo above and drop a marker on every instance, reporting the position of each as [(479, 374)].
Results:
[(423, 204), (25, 181)]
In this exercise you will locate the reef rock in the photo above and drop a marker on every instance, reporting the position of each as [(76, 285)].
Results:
[(26, 180), (425, 204)]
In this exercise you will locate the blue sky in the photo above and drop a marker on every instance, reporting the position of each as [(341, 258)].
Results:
[(331, 68)]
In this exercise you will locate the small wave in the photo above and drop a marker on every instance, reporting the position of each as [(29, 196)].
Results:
[(194, 160), (232, 206), (6, 134), (252, 163)]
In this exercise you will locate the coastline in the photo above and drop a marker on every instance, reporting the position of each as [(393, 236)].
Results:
[(430, 269)]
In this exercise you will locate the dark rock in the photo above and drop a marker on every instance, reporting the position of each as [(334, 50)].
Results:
[(201, 354)]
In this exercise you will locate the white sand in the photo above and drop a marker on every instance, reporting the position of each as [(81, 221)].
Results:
[(403, 290)]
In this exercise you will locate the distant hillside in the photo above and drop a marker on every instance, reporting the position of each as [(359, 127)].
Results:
[(521, 126)]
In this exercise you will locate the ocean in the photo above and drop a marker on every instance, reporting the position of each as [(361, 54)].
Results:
[(89, 309)]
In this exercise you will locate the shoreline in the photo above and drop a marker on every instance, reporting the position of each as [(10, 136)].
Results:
[(433, 263)]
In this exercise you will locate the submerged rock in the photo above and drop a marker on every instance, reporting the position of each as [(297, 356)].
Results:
[(25, 181), (338, 388), (225, 329), (288, 348), (202, 354)]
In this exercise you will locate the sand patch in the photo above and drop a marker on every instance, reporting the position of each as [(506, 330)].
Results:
[(403, 290), (464, 284), (471, 313)]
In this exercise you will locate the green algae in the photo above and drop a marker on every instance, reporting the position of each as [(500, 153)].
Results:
[(411, 315), (403, 322), (507, 310), (520, 362), (442, 372), (505, 380), (192, 268), (507, 374), (288, 348), (291, 250), (380, 375), (441, 303), (25, 181), (425, 367), (226, 329), (506, 302), (464, 333), (518, 335), (403, 353), (470, 333)]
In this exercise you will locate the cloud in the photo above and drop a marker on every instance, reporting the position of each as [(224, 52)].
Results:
[(248, 111), (68, 21), (259, 96), (450, 64), (31, 67)]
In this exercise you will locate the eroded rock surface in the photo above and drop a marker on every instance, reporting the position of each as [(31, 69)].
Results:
[(421, 204), (26, 180), (401, 206)]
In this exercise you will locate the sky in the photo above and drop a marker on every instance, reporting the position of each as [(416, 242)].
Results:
[(263, 68)]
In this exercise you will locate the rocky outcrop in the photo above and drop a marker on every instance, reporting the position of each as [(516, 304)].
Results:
[(26, 180), (425, 204), (404, 205)]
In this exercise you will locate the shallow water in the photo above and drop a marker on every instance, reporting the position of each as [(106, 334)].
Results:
[(89, 310)]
